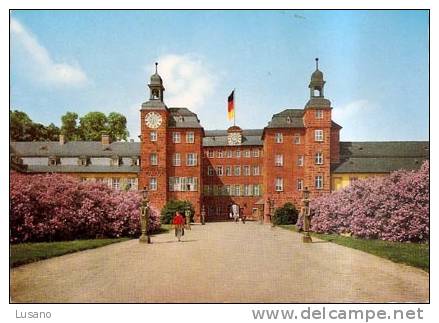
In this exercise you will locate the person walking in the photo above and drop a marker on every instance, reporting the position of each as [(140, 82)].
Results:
[(178, 223)]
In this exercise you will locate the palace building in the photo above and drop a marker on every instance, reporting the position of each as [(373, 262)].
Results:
[(258, 169)]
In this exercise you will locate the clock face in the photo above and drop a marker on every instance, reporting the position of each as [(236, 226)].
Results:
[(153, 120), (234, 138)]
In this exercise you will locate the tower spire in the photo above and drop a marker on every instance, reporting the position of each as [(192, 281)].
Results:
[(156, 67), (317, 63)]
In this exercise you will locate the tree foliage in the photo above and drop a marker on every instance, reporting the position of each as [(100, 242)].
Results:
[(393, 208), (69, 126), (172, 206), (24, 129), (90, 127), (56, 207), (287, 214)]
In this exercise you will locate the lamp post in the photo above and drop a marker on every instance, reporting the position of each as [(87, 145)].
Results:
[(203, 215), (187, 214), (305, 216), (144, 217), (271, 210)]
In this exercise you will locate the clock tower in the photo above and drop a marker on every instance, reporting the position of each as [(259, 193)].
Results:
[(154, 115), (234, 136)]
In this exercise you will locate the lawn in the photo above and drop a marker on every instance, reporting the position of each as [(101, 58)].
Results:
[(412, 254), (24, 253)]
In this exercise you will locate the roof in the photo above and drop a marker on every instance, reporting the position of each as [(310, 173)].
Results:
[(75, 149), (183, 118), (288, 118), (381, 157), (82, 169), (217, 138)]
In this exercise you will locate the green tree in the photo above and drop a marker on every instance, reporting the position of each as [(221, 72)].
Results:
[(172, 206), (21, 126), (117, 126), (92, 126), (69, 126), (286, 214)]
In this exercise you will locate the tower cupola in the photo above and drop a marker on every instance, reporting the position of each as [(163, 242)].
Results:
[(317, 83), (156, 86)]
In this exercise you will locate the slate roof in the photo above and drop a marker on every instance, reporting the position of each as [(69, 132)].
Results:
[(288, 118), (183, 118), (218, 138), (82, 169), (381, 157), (75, 149)]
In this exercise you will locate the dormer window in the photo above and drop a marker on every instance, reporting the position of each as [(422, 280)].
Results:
[(83, 161), (53, 161), (288, 119), (179, 118), (115, 161)]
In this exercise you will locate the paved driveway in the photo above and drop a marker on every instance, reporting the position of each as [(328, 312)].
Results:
[(220, 262)]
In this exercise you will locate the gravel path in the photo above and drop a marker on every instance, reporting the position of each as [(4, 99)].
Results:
[(220, 262)]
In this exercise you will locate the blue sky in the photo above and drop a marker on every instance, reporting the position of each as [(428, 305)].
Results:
[(375, 65)]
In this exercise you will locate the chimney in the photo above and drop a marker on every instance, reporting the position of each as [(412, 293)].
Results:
[(105, 139), (62, 140)]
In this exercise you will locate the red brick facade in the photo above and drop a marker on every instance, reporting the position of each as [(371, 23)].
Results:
[(216, 169)]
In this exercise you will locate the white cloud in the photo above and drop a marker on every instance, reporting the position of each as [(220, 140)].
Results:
[(352, 110), (38, 61), (187, 79)]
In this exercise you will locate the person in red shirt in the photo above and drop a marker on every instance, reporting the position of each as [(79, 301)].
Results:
[(178, 223)]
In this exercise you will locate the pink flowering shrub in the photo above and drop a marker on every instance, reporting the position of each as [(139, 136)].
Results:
[(394, 208), (58, 207)]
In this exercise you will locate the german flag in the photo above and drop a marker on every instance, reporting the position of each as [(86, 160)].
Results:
[(231, 106)]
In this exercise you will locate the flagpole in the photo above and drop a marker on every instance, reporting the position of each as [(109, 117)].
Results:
[(234, 107)]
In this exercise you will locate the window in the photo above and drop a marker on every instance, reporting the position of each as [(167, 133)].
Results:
[(237, 170), (190, 184), (190, 137), (191, 159), (219, 170), (279, 160), (256, 170), (209, 171), (153, 159), (238, 154), (319, 158), (219, 154), (300, 160), (115, 183), (237, 190), (279, 184), (229, 153), (296, 139), (211, 154), (278, 138), (132, 183), (228, 171), (319, 182), (318, 135), (227, 190), (207, 189), (247, 190), (176, 137), (153, 136), (255, 152), (246, 170), (256, 190), (153, 184), (319, 114), (247, 153), (300, 184), (176, 160)]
